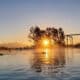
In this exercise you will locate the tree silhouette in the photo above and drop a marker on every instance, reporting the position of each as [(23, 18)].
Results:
[(53, 33)]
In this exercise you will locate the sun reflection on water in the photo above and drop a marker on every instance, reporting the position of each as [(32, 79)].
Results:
[(47, 56), (48, 59)]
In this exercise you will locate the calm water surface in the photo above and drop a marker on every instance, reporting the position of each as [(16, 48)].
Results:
[(40, 64)]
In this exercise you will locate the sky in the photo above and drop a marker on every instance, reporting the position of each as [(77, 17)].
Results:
[(17, 16)]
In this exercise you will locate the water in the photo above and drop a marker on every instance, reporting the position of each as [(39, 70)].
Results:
[(40, 64)]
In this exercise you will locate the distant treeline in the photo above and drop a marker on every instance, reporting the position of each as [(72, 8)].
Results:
[(77, 45), (32, 47), (74, 46), (19, 48)]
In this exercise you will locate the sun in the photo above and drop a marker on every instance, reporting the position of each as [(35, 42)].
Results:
[(46, 42)]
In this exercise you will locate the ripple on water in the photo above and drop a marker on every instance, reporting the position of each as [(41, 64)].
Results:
[(23, 67)]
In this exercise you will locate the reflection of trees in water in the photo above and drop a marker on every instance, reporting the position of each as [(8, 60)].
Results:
[(49, 61)]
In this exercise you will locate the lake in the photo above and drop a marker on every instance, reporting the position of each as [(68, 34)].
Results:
[(40, 64)]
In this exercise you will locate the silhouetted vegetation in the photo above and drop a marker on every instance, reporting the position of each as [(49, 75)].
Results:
[(17, 48), (52, 33), (77, 45)]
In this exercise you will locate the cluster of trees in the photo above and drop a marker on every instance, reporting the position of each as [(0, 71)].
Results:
[(56, 34)]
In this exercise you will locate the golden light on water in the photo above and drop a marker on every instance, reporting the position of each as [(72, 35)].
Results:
[(54, 56), (44, 55), (47, 53), (47, 56)]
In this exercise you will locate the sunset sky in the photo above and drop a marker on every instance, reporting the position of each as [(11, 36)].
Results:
[(16, 17)]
